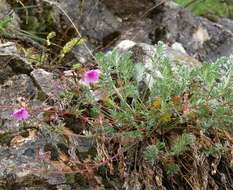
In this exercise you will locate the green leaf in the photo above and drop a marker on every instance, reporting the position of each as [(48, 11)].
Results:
[(49, 37), (181, 144), (70, 45), (172, 169), (76, 66), (5, 23), (152, 152), (214, 150)]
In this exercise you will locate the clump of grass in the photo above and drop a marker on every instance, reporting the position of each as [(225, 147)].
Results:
[(209, 7)]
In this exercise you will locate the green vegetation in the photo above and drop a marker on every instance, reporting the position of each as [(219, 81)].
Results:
[(118, 128), (209, 7), (4, 23), (170, 123)]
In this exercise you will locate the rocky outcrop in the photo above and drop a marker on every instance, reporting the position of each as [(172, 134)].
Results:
[(201, 38), (93, 19), (12, 91), (46, 82), (11, 62), (28, 149)]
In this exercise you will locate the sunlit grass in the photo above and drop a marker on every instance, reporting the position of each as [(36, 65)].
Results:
[(215, 7)]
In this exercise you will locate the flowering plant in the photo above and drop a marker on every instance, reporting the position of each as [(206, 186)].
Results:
[(21, 114), (91, 76)]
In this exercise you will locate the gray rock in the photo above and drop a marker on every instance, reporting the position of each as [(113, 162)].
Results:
[(91, 16), (219, 42), (5, 72), (11, 62), (27, 171), (201, 38), (129, 9), (227, 23), (56, 179), (15, 88), (138, 31), (47, 83), (82, 54), (8, 48), (84, 143)]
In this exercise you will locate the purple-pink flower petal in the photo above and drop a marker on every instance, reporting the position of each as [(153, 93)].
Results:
[(91, 76), (21, 114)]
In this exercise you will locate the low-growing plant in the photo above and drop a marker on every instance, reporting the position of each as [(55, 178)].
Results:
[(152, 152), (137, 127), (216, 149), (181, 144), (172, 169), (183, 100), (5, 22)]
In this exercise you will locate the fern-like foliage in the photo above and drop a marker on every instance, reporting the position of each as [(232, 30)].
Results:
[(4, 23), (152, 152), (181, 144)]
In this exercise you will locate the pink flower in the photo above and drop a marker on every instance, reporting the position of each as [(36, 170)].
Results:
[(91, 77), (21, 114)]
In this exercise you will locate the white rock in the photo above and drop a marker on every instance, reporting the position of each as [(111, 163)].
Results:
[(178, 47), (125, 45)]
